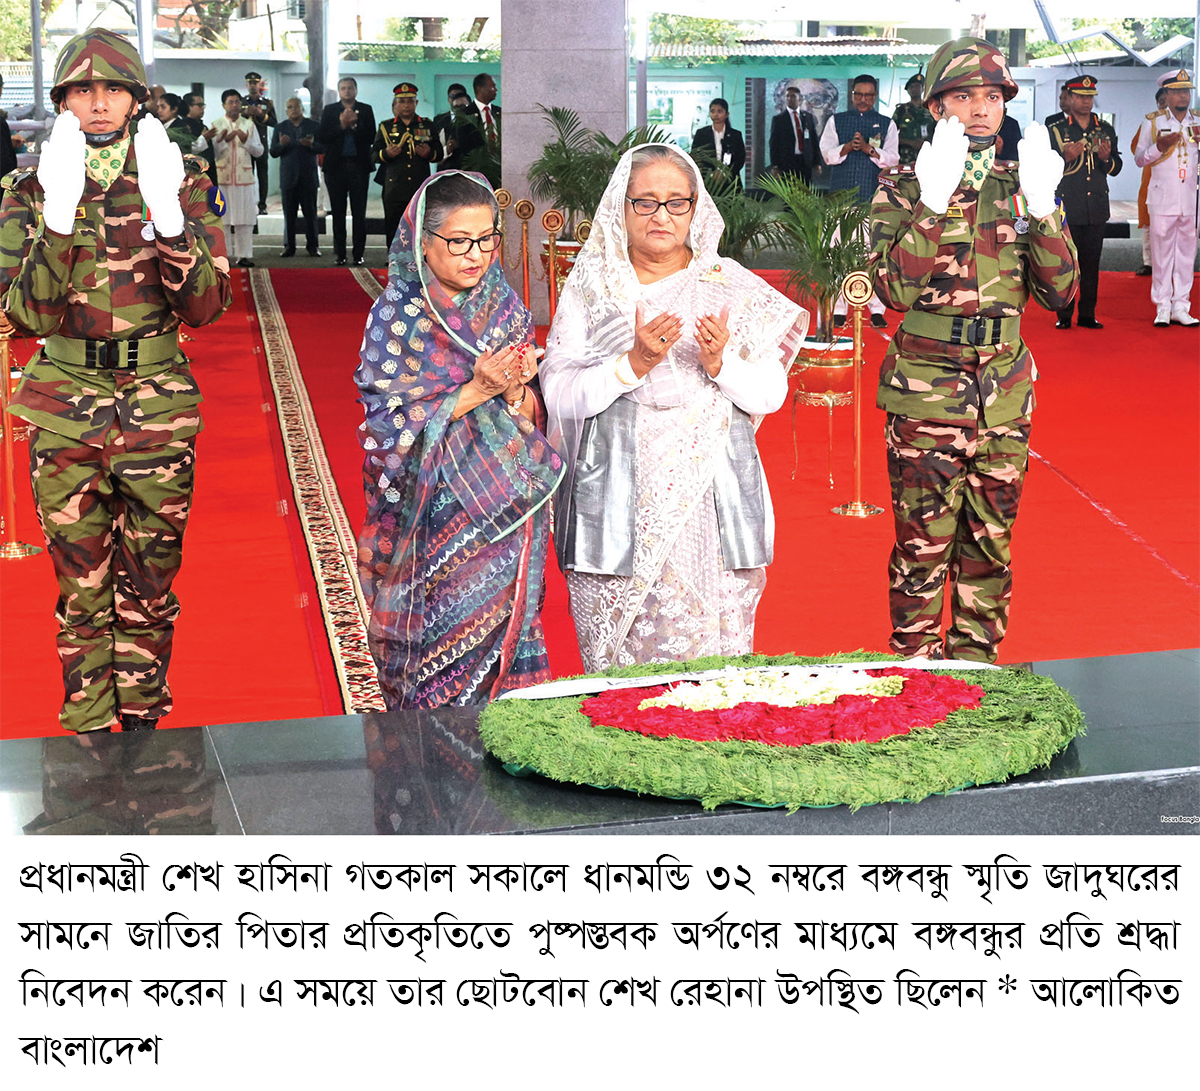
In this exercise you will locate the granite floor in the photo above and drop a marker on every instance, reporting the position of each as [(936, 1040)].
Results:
[(427, 773)]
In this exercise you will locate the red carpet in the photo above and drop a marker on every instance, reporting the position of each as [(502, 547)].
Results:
[(1107, 546)]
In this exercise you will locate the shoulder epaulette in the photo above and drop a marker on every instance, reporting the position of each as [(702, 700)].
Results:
[(1005, 165), (898, 170), (1156, 113), (15, 177)]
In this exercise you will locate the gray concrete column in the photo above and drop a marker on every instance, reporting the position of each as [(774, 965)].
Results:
[(557, 53)]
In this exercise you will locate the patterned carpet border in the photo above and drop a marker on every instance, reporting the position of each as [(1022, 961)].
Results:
[(327, 533)]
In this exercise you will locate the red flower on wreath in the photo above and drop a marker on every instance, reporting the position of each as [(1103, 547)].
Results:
[(927, 699)]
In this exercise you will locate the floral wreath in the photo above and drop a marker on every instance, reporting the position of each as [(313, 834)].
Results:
[(943, 732)]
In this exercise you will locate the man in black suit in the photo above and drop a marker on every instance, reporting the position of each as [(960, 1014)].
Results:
[(295, 146), (730, 157), (347, 132), (445, 127), (485, 94), (794, 144)]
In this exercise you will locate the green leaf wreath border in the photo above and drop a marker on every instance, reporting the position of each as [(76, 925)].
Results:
[(1022, 722)]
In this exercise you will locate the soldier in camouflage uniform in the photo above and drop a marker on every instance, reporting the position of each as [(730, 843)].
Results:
[(103, 253), (960, 243), (914, 124)]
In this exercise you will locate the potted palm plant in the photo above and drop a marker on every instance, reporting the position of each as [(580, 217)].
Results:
[(751, 224), (823, 238), (574, 168)]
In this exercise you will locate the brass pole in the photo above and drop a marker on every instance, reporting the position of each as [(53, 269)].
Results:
[(503, 200), (10, 549), (857, 290), (524, 210), (552, 223)]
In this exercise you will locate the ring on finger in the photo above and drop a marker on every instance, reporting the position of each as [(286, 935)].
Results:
[(663, 340)]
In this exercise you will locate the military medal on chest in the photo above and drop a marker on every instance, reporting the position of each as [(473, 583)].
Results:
[(1019, 207)]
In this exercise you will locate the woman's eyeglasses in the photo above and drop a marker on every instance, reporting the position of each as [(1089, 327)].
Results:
[(676, 206), (459, 246)]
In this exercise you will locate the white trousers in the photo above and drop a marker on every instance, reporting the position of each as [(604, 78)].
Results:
[(1172, 257)]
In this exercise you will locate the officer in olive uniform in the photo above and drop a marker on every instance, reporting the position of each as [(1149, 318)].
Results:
[(1089, 147), (104, 252), (959, 243), (261, 111), (914, 124), (404, 148)]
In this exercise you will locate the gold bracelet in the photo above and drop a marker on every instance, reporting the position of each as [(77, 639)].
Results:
[(515, 407)]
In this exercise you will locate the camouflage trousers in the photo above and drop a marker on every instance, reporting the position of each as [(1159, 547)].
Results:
[(955, 492), (114, 522), (144, 782)]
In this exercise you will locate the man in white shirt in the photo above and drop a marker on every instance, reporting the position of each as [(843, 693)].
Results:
[(1167, 143)]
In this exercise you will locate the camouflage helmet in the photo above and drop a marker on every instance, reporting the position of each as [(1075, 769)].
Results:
[(99, 55), (968, 62)]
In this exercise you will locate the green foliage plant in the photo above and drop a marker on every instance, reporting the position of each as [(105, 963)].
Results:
[(750, 225), (822, 236), (574, 168)]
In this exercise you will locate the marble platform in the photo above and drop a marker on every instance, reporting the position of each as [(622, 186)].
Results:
[(427, 773)]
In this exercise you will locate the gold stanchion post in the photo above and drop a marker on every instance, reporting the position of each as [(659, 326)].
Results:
[(524, 210), (552, 223), (10, 548), (503, 200), (858, 290)]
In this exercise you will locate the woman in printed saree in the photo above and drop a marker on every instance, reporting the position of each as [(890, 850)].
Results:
[(457, 470), (662, 359)]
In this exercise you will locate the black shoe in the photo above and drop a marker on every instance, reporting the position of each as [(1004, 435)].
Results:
[(262, 210), (1064, 324), (360, 261), (314, 251), (340, 261), (1090, 324), (879, 322), (839, 320), (1144, 271), (129, 722), (287, 253), (245, 263), (255, 231)]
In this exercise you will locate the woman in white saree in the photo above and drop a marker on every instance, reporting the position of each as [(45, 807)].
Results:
[(661, 362)]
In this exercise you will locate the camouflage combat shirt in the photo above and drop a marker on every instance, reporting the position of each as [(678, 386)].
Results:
[(108, 282), (912, 123), (975, 260)]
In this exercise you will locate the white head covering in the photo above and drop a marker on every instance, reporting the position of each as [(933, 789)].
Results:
[(595, 320)]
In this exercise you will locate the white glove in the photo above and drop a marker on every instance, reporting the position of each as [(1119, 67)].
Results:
[(1041, 169), (62, 173), (941, 162), (160, 174)]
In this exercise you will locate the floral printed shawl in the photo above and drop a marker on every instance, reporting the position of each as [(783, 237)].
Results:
[(419, 348)]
